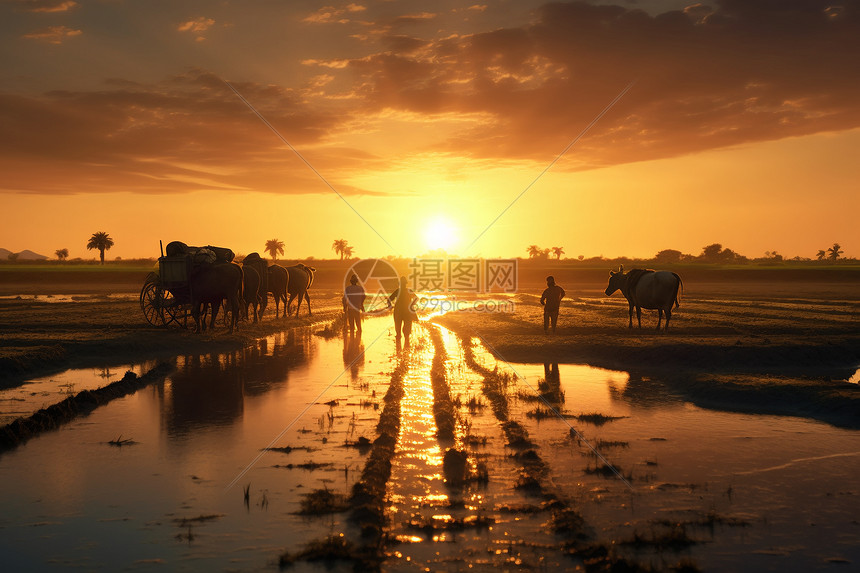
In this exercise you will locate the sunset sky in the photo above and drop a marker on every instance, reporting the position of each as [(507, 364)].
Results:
[(741, 125)]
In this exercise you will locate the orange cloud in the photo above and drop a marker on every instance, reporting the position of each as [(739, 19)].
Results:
[(187, 133), (705, 79), (50, 6), (53, 34), (197, 27), (330, 14), (743, 72)]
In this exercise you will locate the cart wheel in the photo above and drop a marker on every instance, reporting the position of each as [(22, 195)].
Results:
[(151, 303), (173, 311)]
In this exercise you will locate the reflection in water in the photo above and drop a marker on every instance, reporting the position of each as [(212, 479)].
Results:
[(205, 390), (353, 353), (210, 389), (550, 386), (418, 467), (643, 392)]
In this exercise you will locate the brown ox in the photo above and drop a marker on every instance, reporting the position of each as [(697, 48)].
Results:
[(262, 267), (301, 277), (251, 291), (644, 288), (279, 280), (210, 284)]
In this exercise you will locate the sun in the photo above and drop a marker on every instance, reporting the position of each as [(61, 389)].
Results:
[(440, 233)]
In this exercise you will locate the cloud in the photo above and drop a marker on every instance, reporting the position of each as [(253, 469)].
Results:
[(53, 34), (186, 133), (331, 14), (197, 27), (705, 78), (49, 6), (747, 70)]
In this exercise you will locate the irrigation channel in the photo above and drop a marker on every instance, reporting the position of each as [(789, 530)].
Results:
[(313, 453)]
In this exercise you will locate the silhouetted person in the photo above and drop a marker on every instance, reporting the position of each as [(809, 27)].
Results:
[(403, 299), (551, 300), (353, 304)]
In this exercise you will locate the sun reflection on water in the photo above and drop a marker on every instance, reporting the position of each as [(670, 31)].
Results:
[(419, 455)]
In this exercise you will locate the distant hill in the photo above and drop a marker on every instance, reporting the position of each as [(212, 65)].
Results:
[(25, 255)]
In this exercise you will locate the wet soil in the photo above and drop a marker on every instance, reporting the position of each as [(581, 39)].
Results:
[(40, 337), (760, 348)]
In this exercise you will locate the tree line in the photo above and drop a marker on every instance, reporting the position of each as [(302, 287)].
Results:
[(713, 253)]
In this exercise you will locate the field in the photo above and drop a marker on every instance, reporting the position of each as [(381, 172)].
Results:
[(484, 444)]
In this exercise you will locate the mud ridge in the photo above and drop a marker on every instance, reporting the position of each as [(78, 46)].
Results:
[(368, 494), (443, 407), (84, 402), (577, 537)]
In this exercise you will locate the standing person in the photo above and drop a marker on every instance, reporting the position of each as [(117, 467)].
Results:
[(551, 300), (353, 304), (404, 314)]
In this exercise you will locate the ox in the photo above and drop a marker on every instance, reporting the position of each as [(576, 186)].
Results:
[(279, 280), (253, 260), (301, 277), (210, 284), (251, 292), (651, 290)]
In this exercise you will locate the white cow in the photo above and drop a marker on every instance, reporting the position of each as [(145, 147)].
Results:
[(644, 288)]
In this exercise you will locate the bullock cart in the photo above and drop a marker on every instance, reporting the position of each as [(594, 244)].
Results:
[(166, 295)]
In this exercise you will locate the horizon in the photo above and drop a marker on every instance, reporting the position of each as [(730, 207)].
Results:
[(407, 127), (686, 258)]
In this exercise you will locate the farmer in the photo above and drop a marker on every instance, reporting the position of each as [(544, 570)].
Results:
[(353, 304), (551, 300), (404, 312)]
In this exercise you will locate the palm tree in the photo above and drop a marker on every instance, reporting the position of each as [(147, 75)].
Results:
[(834, 251), (338, 246), (534, 251), (347, 252), (274, 247), (102, 242), (822, 254), (558, 252), (62, 254)]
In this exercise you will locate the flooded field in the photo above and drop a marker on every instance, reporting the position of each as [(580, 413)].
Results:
[(255, 459)]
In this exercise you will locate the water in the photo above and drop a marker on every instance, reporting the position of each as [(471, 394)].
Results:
[(25, 399), (755, 492)]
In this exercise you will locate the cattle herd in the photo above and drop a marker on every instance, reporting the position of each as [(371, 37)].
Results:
[(214, 278), (244, 288)]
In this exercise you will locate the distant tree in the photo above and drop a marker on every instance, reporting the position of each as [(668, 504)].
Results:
[(13, 256), (544, 254), (102, 242), (668, 256), (580, 257), (347, 252), (834, 252), (822, 254), (338, 247), (274, 247), (533, 251), (558, 252), (62, 254), (773, 255), (715, 253), (711, 253)]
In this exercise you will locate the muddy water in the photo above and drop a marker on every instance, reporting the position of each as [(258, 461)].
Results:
[(748, 492), (24, 399)]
